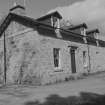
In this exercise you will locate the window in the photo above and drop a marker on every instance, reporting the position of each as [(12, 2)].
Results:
[(84, 59), (55, 22), (96, 36), (83, 31), (56, 57)]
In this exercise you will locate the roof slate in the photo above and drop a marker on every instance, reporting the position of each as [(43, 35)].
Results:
[(30, 22), (55, 14)]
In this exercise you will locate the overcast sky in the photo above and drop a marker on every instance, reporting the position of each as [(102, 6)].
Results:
[(35, 8), (92, 12)]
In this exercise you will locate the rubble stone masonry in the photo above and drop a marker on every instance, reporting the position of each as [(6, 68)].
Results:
[(30, 58)]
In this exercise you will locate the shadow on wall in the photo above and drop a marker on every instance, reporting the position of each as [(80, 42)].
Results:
[(85, 98)]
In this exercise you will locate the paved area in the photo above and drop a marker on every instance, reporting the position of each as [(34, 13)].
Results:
[(19, 95)]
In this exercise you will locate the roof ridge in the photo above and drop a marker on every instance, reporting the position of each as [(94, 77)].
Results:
[(31, 22)]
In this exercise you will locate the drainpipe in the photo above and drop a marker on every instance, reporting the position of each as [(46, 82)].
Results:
[(88, 48), (5, 68)]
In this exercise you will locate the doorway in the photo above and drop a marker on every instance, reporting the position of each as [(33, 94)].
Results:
[(73, 63)]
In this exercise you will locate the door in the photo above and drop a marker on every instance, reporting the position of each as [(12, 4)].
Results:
[(73, 63)]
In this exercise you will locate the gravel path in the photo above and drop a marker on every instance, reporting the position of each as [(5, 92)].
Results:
[(18, 95)]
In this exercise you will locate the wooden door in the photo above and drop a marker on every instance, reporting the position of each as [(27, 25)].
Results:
[(73, 63)]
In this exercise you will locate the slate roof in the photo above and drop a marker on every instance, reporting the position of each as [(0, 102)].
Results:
[(92, 31), (78, 26), (30, 22), (55, 14)]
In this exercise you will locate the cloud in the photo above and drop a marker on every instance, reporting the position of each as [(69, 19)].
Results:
[(91, 12)]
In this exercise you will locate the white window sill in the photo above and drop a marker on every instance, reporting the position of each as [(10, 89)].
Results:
[(58, 69)]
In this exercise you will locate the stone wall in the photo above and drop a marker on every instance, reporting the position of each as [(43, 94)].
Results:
[(97, 58), (30, 58)]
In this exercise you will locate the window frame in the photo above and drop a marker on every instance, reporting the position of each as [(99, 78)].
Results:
[(56, 56), (85, 59)]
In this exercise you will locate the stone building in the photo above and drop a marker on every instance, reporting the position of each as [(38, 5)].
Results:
[(40, 51)]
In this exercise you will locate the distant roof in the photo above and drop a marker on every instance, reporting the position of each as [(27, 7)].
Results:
[(56, 14), (78, 26), (92, 31), (17, 6)]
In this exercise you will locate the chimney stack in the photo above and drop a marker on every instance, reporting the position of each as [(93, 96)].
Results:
[(18, 7)]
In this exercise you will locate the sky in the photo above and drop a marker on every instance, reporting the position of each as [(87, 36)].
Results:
[(35, 8), (92, 12)]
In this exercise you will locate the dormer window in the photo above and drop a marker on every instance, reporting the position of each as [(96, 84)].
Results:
[(56, 24), (96, 36), (52, 19), (80, 29), (83, 31), (94, 33)]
